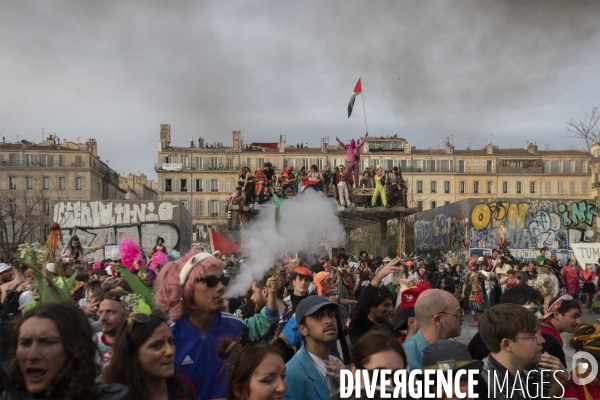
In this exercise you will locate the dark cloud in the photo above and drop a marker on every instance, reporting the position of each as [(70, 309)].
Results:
[(116, 70)]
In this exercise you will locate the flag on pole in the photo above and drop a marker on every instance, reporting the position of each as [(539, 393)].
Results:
[(277, 203), (357, 91)]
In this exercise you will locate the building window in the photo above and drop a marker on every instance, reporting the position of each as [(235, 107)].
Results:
[(78, 162), (572, 187), (433, 204), (183, 185), (433, 187), (46, 183), (420, 205), (13, 160), (504, 187), (532, 187), (214, 185), (199, 186), (46, 231), (260, 162), (548, 187), (461, 166), (319, 164), (490, 187), (61, 161), (475, 166), (519, 184), (584, 188), (186, 204), (29, 160), (78, 183), (306, 163), (229, 185), (561, 187), (199, 208), (419, 186), (12, 183), (446, 202), (168, 185), (476, 187), (62, 183), (29, 183), (555, 167), (446, 187), (461, 187), (214, 208), (567, 167), (46, 207), (46, 160), (580, 167)]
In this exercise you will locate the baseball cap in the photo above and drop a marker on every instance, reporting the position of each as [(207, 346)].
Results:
[(311, 305), (303, 271), (449, 355), (407, 304), (409, 263), (4, 267)]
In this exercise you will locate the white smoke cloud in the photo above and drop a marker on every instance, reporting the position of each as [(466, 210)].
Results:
[(306, 220)]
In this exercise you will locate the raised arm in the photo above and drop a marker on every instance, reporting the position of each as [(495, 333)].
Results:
[(341, 143), (363, 140)]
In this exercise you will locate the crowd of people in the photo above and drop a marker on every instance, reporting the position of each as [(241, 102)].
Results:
[(121, 335), (389, 187)]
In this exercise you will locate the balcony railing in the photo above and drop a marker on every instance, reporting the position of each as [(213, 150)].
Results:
[(207, 167), (519, 170)]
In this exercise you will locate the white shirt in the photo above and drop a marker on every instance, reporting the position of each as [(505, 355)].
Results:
[(322, 368)]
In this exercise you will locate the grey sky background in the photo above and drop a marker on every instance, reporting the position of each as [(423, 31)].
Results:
[(116, 70)]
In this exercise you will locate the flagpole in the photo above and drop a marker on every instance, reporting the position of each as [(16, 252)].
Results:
[(362, 95)]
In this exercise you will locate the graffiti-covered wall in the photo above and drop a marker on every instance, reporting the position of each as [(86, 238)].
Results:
[(474, 226), (106, 223)]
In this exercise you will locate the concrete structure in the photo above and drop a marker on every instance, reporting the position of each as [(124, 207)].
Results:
[(107, 223), (138, 187), (474, 226), (203, 177)]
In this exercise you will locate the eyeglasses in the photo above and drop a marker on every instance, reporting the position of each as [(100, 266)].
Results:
[(535, 336), (460, 314), (212, 281)]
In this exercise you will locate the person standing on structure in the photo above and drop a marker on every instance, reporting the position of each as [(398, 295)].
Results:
[(353, 154)]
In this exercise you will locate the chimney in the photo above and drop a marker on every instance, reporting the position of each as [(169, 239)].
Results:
[(449, 148), (92, 146), (490, 149), (237, 141), (324, 145), (281, 144), (191, 142), (532, 148)]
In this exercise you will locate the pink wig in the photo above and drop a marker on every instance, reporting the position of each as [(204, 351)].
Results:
[(131, 251), (171, 296), (158, 258)]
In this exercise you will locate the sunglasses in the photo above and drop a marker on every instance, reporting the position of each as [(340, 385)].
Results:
[(111, 284), (212, 281), (142, 318)]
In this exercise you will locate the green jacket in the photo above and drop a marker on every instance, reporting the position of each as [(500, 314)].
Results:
[(259, 323)]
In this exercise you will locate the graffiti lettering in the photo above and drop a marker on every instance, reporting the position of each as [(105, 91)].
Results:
[(511, 215), (579, 212), (97, 213)]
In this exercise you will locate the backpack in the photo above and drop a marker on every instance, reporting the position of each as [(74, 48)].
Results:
[(10, 306)]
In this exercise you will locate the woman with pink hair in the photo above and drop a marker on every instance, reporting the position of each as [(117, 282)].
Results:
[(191, 290)]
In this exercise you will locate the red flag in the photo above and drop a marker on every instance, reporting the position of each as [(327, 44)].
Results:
[(358, 87), (273, 146), (222, 244)]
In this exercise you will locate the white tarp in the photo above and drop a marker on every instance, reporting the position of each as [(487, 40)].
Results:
[(586, 253)]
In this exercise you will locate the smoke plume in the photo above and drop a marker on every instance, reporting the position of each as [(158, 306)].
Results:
[(306, 221)]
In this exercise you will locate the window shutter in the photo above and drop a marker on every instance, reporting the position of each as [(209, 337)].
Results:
[(493, 167), (192, 183), (219, 185), (177, 185), (222, 207), (164, 184)]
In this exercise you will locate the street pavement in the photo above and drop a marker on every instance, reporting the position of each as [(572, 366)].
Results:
[(468, 331)]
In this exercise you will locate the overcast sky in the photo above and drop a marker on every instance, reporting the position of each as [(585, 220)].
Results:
[(116, 70)]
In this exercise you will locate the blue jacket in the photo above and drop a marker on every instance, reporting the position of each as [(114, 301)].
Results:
[(413, 348), (305, 382)]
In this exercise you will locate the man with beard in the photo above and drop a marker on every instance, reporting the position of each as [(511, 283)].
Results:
[(266, 308), (111, 314), (440, 317), (313, 373), (375, 305)]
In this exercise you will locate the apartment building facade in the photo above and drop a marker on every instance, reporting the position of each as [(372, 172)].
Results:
[(35, 176), (138, 187), (203, 178)]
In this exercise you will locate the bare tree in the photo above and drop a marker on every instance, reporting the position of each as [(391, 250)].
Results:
[(586, 130), (25, 216)]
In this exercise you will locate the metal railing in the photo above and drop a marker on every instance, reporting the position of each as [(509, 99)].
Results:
[(520, 170)]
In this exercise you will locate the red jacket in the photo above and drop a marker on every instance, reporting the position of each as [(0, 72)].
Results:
[(571, 278)]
